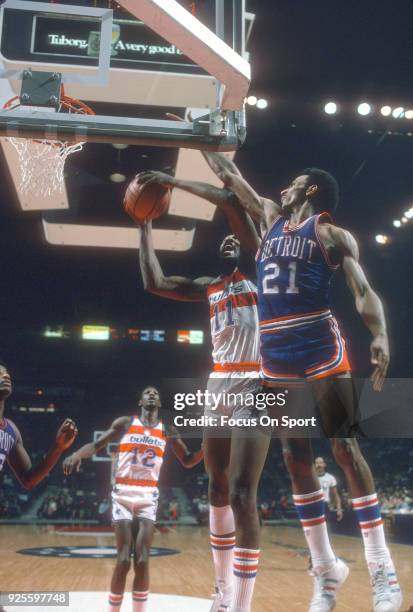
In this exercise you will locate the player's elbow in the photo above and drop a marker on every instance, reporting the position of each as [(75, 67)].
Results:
[(188, 461), (151, 283)]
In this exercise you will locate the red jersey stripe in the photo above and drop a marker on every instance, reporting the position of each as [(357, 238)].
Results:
[(128, 448), (136, 483)]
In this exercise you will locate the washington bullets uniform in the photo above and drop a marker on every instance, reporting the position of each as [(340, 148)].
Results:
[(7, 440), (299, 336), (140, 459), (234, 332)]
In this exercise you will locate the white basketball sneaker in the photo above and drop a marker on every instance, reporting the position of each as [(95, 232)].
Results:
[(387, 595), (326, 585), (222, 600)]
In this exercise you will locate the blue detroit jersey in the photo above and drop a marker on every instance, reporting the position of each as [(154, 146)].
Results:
[(294, 273), (7, 440)]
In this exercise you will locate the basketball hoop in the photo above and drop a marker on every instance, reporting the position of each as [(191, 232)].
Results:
[(42, 162)]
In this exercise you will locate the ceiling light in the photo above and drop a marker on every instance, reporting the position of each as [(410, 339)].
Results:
[(397, 223), (120, 146), (364, 109), (398, 112), (330, 108), (382, 239), (117, 177), (409, 114), (252, 100), (262, 103)]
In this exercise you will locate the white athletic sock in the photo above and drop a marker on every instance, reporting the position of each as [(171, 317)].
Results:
[(311, 511), (115, 602), (245, 572), (368, 514), (139, 601), (222, 538)]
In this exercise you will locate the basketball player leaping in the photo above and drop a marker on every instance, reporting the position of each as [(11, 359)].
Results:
[(12, 448), (142, 441), (234, 464), (301, 340)]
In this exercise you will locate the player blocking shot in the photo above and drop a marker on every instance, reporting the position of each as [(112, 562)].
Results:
[(142, 442), (12, 449), (301, 342)]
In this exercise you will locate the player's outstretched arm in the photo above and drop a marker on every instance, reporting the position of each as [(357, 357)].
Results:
[(368, 303), (181, 451), (218, 162), (27, 474), (173, 287), (114, 433), (261, 209), (239, 220)]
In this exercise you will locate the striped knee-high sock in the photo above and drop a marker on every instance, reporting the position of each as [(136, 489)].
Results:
[(311, 511), (115, 602), (245, 572), (368, 514), (222, 538), (139, 601)]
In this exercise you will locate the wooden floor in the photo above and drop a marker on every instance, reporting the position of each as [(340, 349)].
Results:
[(282, 582)]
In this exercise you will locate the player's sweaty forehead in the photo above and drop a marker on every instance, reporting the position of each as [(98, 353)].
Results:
[(149, 390)]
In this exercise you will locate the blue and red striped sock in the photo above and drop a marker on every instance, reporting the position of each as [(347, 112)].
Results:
[(311, 511), (222, 538), (245, 572), (368, 514)]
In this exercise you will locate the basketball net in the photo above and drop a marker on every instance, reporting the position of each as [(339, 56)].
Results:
[(42, 162)]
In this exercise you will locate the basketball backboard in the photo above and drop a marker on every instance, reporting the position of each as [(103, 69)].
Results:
[(146, 71)]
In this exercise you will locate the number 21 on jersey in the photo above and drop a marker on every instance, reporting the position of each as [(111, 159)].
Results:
[(273, 270)]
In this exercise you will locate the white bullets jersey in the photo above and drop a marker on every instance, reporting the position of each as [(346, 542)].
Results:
[(234, 323), (140, 456)]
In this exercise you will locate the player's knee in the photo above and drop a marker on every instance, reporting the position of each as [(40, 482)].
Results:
[(142, 557), (218, 490), (123, 561), (242, 498), (297, 461), (346, 451)]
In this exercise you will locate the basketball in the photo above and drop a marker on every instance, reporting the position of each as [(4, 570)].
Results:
[(146, 202)]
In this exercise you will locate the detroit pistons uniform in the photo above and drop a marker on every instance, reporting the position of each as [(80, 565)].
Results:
[(235, 340), (299, 336), (140, 459), (7, 440)]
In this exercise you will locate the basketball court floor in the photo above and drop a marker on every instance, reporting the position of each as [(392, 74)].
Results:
[(181, 569)]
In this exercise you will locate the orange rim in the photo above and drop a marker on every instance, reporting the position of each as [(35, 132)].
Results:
[(72, 105)]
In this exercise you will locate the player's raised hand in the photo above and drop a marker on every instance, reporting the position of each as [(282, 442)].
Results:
[(380, 357), (72, 464), (66, 434), (154, 176)]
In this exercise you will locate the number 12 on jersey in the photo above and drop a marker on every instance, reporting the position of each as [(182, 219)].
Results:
[(273, 269)]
